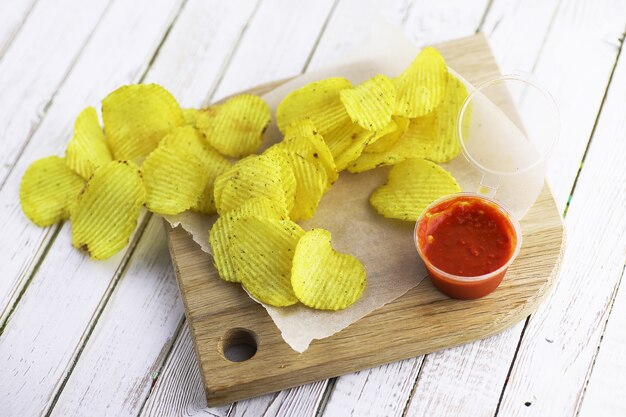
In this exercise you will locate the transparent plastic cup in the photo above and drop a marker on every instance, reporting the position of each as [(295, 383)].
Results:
[(507, 128), (466, 287)]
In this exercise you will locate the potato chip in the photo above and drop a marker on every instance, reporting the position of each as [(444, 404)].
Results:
[(448, 146), (323, 278), (174, 178), (287, 176), (370, 104), (411, 186), (422, 86), (417, 142), (262, 251), (347, 142), (302, 138), (87, 149), (213, 164), (311, 183), (236, 127), (318, 101), (47, 189), (105, 214), (221, 233), (257, 176), (136, 117), (387, 141), (190, 116)]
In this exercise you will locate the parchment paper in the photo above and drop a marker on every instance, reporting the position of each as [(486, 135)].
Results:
[(385, 247)]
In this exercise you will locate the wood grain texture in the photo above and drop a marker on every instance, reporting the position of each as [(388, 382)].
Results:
[(13, 13), (557, 353), (409, 326)]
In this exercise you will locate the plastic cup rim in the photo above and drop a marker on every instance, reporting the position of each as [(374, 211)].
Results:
[(476, 278), (482, 86)]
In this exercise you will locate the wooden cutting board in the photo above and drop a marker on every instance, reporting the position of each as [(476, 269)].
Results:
[(221, 315)]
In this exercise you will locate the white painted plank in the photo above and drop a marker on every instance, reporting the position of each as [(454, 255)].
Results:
[(507, 25), (44, 333), (439, 21), (478, 394), (12, 17), (575, 65), (604, 395), (560, 344), (178, 390), (38, 60), (145, 310), (103, 65), (295, 27), (114, 374)]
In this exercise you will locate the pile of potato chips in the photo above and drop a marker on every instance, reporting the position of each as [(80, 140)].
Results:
[(152, 153)]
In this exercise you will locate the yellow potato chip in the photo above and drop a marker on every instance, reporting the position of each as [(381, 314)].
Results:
[(448, 146), (347, 142), (318, 101), (323, 278), (422, 86), (311, 183), (190, 116), (257, 176), (235, 128), (302, 138), (411, 186), (87, 149), (136, 117), (417, 142), (262, 251), (106, 212), (221, 233), (174, 178), (47, 189), (213, 164), (370, 104), (387, 141)]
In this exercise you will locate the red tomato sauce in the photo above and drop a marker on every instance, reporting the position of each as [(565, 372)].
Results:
[(466, 236)]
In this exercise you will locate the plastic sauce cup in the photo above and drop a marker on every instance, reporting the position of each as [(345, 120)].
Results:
[(457, 285)]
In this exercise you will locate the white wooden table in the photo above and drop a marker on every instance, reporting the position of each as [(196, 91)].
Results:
[(79, 337)]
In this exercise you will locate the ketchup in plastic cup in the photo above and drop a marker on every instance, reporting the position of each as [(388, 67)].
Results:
[(467, 242)]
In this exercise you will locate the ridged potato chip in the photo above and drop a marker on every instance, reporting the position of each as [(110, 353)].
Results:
[(411, 186), (422, 86), (136, 117), (262, 251), (47, 189), (370, 104), (302, 137), (417, 142), (221, 233), (287, 176), (105, 214), (318, 101), (174, 178), (235, 128), (387, 141), (347, 142), (213, 164), (190, 116), (257, 176), (311, 183), (448, 146), (323, 278), (87, 149)]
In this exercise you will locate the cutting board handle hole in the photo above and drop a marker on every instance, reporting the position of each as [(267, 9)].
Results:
[(238, 344)]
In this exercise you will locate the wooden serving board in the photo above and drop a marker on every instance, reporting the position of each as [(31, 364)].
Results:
[(421, 321)]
